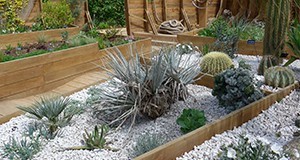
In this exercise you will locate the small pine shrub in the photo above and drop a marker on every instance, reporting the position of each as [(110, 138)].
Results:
[(248, 149), (147, 142), (279, 76), (215, 62), (191, 119), (235, 88)]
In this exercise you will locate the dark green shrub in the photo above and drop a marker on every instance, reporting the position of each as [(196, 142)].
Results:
[(248, 149), (191, 119), (56, 15), (107, 12), (234, 88)]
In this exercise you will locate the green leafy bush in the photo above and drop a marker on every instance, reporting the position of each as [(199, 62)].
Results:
[(107, 12), (147, 142), (248, 149), (294, 43), (56, 14), (53, 112), (191, 119), (235, 88)]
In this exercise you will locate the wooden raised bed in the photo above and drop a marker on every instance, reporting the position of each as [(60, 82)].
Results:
[(186, 143), (29, 37), (244, 47), (38, 74)]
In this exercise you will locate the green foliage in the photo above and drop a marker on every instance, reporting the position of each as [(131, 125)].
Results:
[(191, 119), (145, 89), (248, 149), (56, 14), (294, 42), (81, 39), (96, 139), (9, 20), (107, 12), (147, 142), (234, 88), (277, 23), (42, 38), (246, 30), (215, 62), (53, 112), (75, 6), (279, 76), (64, 35), (21, 150)]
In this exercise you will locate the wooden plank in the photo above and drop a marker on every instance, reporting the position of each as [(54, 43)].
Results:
[(146, 24), (151, 22), (186, 19), (30, 37), (161, 37), (185, 143), (128, 22), (164, 10)]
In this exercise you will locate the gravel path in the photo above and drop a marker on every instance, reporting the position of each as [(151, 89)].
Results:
[(276, 125)]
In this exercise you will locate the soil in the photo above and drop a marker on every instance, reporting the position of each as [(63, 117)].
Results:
[(31, 47)]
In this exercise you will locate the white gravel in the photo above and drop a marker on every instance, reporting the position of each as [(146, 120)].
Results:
[(277, 120), (123, 140)]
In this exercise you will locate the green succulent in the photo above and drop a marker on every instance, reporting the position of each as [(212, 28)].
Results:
[(279, 76), (54, 112), (215, 62), (294, 43), (191, 119)]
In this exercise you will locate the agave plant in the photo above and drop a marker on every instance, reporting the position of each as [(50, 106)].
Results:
[(294, 43), (53, 112), (146, 89)]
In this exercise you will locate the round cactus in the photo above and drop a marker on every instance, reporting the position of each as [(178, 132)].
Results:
[(279, 76), (215, 62)]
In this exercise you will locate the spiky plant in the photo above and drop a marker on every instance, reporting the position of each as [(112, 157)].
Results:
[(53, 112), (145, 89), (215, 62), (277, 21), (294, 43), (279, 76)]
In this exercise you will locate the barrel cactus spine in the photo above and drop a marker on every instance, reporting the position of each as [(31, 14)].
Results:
[(215, 62), (279, 76)]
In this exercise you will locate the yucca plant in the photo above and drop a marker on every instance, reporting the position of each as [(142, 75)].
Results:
[(53, 112), (146, 89), (294, 43)]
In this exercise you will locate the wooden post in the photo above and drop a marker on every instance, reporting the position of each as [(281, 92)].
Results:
[(180, 10), (202, 14), (128, 25), (146, 7), (164, 10)]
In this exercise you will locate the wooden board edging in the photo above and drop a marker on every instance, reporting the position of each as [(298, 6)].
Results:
[(30, 37), (186, 143)]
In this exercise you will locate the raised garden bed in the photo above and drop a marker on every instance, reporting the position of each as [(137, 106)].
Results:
[(29, 37), (37, 74), (185, 143)]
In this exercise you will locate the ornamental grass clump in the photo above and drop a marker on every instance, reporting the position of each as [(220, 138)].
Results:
[(142, 86), (53, 112), (235, 88)]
